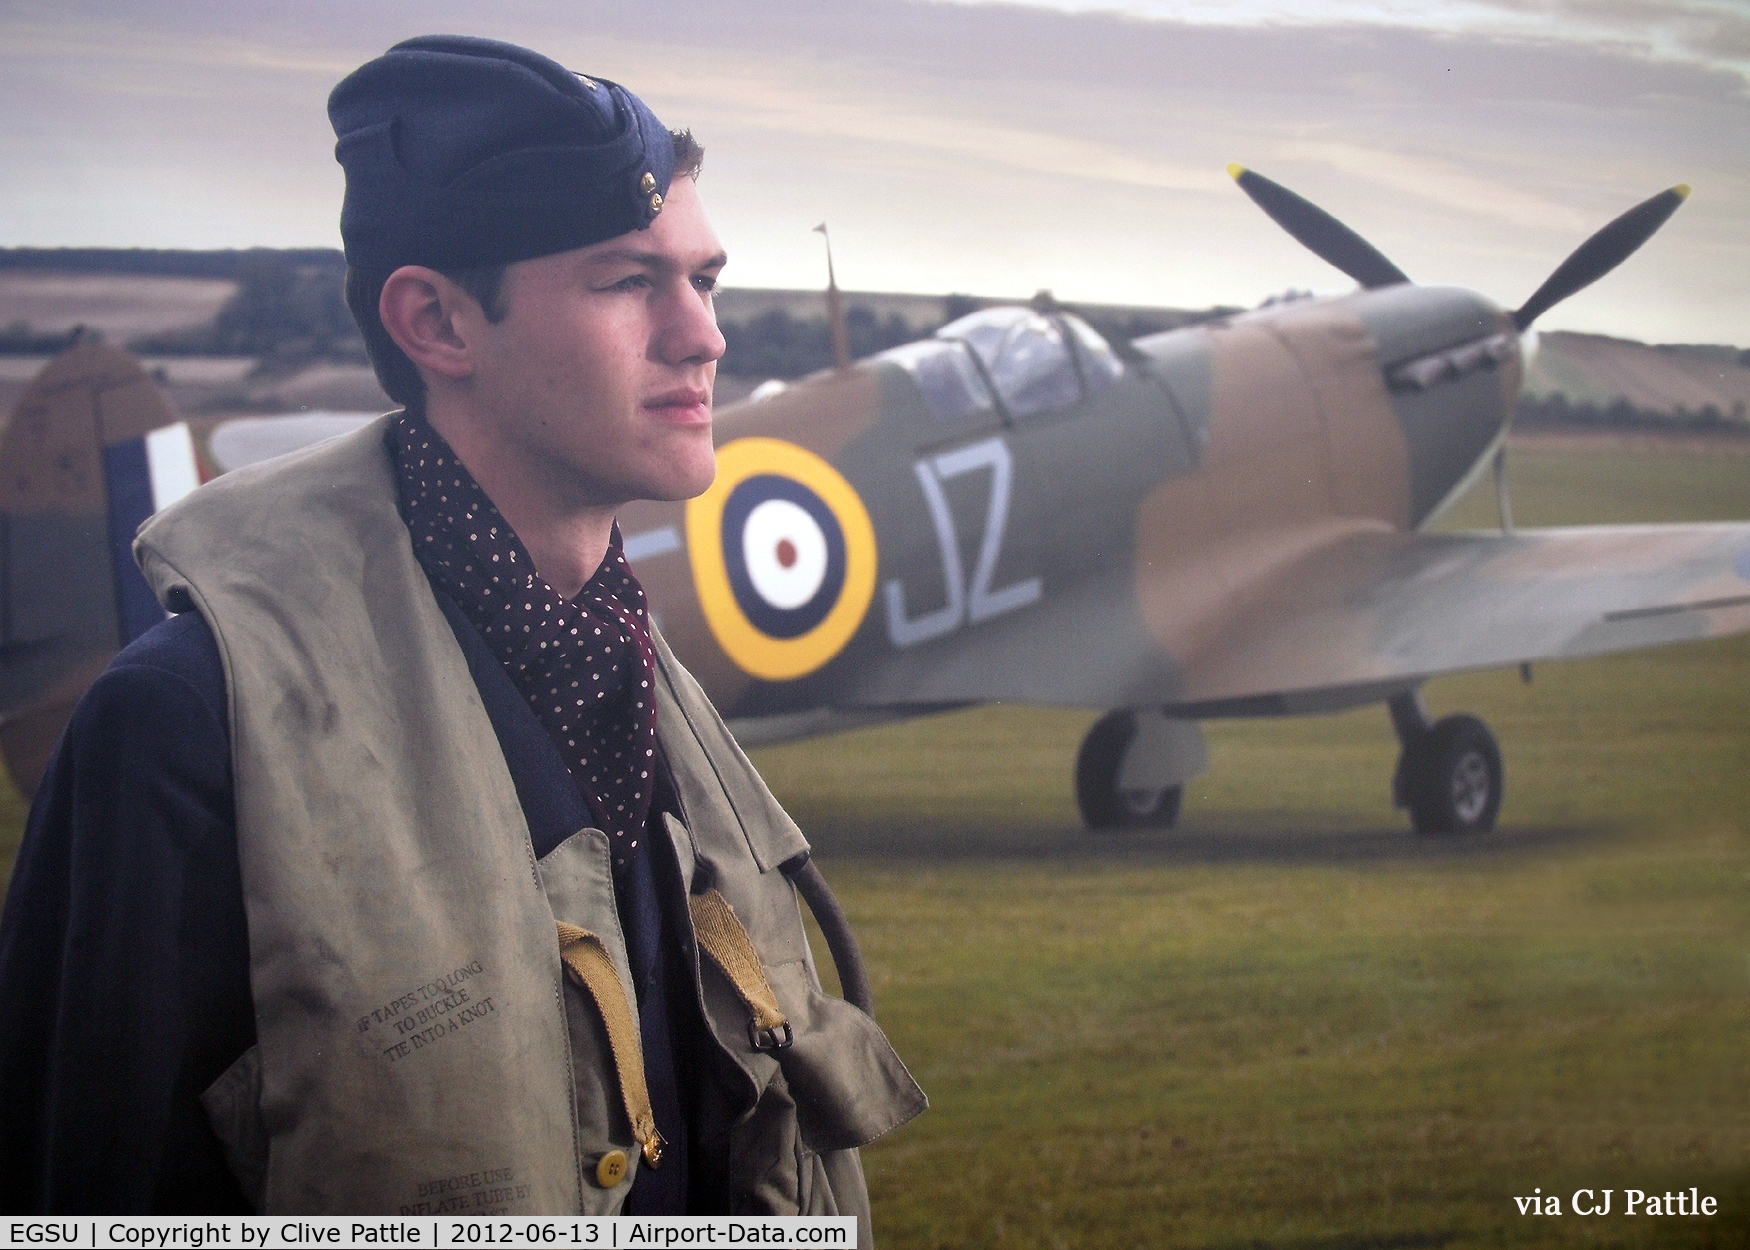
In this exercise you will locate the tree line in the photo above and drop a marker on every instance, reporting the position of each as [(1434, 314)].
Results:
[(1556, 410), (290, 308), (163, 262)]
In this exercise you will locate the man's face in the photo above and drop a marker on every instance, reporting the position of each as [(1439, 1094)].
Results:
[(596, 384)]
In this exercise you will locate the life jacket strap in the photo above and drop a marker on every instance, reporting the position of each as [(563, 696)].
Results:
[(587, 963), (722, 938)]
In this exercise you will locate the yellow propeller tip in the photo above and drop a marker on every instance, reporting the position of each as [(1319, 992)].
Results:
[(1234, 171), (1682, 190)]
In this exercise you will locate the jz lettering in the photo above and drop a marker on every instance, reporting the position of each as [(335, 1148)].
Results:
[(968, 600)]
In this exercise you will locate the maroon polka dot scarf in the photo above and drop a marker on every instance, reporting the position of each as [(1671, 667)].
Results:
[(587, 666)]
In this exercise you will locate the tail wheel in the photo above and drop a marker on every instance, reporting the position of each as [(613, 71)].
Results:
[(1453, 778), (1104, 805)]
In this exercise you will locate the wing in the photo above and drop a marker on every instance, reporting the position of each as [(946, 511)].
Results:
[(245, 440), (1372, 612)]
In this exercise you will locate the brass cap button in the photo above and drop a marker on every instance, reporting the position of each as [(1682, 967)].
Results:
[(610, 1170), (647, 183), (655, 203)]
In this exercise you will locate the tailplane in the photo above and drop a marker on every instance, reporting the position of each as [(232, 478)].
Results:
[(90, 451)]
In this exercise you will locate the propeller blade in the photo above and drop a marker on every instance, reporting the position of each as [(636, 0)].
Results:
[(1321, 233), (1601, 253)]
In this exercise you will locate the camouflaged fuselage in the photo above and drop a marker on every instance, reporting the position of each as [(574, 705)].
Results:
[(1092, 553)]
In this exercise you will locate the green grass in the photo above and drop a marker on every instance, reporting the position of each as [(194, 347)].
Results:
[(13, 810), (1290, 1022), (1293, 1023), (1585, 484)]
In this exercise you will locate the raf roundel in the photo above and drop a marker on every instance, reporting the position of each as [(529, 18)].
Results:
[(783, 558)]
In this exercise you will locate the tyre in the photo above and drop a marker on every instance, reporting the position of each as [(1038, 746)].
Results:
[(1103, 804), (1453, 778)]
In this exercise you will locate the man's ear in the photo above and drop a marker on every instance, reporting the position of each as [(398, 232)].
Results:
[(424, 312)]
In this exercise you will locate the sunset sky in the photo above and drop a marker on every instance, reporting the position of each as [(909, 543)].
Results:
[(987, 148)]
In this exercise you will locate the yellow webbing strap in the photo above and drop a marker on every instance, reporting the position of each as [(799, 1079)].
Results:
[(586, 960), (722, 937)]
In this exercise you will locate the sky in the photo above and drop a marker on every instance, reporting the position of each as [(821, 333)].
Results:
[(957, 145)]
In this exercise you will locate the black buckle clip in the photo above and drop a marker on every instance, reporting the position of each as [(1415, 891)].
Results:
[(768, 1039)]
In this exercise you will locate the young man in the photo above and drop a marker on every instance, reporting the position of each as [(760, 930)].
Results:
[(405, 870)]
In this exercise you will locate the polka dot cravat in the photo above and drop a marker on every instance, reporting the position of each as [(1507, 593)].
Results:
[(586, 665)]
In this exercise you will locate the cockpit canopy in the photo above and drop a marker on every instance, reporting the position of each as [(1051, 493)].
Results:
[(1034, 361)]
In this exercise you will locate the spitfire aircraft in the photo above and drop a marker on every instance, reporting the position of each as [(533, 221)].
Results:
[(1225, 520)]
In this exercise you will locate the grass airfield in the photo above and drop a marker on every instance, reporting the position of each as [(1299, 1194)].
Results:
[(1290, 1022)]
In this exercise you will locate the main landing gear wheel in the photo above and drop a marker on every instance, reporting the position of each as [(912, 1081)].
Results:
[(1451, 777), (1103, 803)]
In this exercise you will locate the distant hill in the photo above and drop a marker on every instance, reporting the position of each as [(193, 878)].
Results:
[(1596, 380), (283, 309), (747, 303), (283, 303), (776, 333), (162, 262), (286, 306)]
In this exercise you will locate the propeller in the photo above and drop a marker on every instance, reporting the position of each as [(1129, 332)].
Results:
[(1332, 241), (1601, 253), (1318, 231), (1587, 263)]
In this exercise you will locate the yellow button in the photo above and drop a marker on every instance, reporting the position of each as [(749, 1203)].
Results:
[(611, 1170), (647, 183), (655, 204)]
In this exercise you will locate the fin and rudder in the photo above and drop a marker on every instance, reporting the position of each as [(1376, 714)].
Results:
[(91, 450)]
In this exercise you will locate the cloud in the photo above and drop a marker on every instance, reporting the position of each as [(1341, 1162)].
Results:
[(1441, 182), (91, 44), (954, 146), (1713, 31), (917, 127)]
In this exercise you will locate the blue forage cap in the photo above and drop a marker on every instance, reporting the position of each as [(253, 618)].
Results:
[(461, 152)]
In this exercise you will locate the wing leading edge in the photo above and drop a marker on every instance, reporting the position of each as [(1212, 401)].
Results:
[(1372, 612)]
